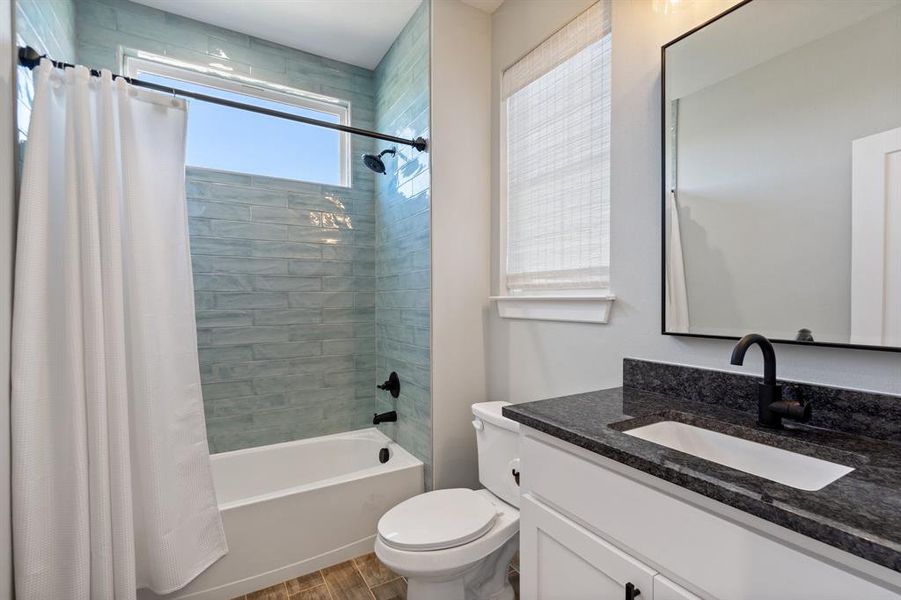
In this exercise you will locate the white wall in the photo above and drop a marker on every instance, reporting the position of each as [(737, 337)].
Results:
[(529, 360), (460, 233), (7, 238), (777, 206)]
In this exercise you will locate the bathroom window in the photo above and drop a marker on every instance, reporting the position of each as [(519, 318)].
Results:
[(231, 139), (555, 166)]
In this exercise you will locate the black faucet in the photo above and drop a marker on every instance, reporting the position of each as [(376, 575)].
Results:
[(384, 417), (771, 408)]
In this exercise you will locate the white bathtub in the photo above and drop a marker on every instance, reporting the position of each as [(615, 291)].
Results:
[(290, 509)]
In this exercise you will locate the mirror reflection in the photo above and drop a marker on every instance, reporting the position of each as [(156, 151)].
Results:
[(782, 171)]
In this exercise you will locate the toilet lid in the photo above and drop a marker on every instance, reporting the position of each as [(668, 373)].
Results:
[(437, 520)]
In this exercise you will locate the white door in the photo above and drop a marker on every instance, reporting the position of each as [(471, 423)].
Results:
[(559, 560), (876, 239), (664, 589)]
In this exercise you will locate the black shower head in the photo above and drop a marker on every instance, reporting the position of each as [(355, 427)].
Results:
[(375, 163)]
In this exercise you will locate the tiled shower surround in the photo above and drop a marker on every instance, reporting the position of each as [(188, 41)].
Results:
[(284, 285), (289, 275), (402, 241), (49, 27)]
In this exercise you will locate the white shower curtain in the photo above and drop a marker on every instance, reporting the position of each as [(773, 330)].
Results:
[(676, 292), (112, 488)]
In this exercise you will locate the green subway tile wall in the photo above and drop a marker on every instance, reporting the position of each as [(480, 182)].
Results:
[(49, 27), (402, 267), (284, 279)]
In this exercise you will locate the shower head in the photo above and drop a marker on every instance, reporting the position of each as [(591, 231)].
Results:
[(375, 163)]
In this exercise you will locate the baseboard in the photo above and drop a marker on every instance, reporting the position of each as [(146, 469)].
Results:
[(264, 580)]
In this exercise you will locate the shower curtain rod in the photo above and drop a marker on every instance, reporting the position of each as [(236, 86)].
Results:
[(31, 58)]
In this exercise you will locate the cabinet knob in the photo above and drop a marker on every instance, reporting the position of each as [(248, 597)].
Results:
[(632, 592)]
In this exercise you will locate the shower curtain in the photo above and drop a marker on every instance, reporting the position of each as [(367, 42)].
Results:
[(676, 293), (112, 488)]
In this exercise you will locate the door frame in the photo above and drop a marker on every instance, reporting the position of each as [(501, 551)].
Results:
[(7, 252), (875, 237)]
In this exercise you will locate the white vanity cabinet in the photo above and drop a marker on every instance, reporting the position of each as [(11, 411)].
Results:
[(561, 560), (590, 526), (564, 561), (664, 589)]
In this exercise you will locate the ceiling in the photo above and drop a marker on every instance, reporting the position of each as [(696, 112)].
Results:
[(358, 32), (489, 6)]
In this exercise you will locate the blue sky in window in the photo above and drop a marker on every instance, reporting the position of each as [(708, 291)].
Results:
[(230, 139)]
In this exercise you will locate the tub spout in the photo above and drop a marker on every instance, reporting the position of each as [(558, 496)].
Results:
[(384, 417)]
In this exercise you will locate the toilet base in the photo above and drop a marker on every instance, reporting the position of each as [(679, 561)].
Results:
[(484, 580), (452, 591)]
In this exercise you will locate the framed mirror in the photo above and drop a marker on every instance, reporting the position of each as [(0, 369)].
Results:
[(781, 169)]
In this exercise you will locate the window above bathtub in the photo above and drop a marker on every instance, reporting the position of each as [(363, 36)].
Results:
[(230, 139), (555, 172)]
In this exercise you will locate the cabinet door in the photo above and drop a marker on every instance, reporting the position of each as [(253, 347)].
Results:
[(559, 560), (664, 589)]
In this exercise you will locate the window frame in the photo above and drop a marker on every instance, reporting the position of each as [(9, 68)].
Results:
[(585, 305), (136, 62)]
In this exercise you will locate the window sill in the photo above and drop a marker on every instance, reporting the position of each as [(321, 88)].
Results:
[(577, 309)]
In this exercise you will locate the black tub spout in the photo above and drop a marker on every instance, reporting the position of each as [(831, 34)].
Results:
[(384, 417)]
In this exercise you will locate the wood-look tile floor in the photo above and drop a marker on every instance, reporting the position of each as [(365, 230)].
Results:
[(363, 578)]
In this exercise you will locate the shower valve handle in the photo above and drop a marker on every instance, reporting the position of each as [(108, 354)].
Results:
[(391, 385)]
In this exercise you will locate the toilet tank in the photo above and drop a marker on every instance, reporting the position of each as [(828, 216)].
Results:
[(497, 438)]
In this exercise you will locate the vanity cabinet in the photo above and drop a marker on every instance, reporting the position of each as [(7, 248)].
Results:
[(589, 526), (571, 563), (664, 589)]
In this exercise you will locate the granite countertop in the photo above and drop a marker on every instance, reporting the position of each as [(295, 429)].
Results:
[(859, 513)]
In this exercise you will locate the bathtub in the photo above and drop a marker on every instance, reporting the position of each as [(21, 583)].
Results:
[(292, 508)]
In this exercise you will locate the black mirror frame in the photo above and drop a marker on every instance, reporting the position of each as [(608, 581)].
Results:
[(663, 209)]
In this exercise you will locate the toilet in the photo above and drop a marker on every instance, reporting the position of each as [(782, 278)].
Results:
[(456, 544)]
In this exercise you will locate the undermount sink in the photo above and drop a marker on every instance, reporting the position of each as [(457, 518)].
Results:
[(782, 466)]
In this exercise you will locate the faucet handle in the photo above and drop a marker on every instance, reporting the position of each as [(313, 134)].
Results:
[(391, 385), (800, 411)]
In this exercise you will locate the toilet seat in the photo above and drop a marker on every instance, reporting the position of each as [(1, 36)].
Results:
[(437, 520), (450, 562)]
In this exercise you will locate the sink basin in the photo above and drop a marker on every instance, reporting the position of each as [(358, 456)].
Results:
[(783, 466)]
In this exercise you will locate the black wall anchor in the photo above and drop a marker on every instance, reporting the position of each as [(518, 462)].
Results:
[(391, 385)]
